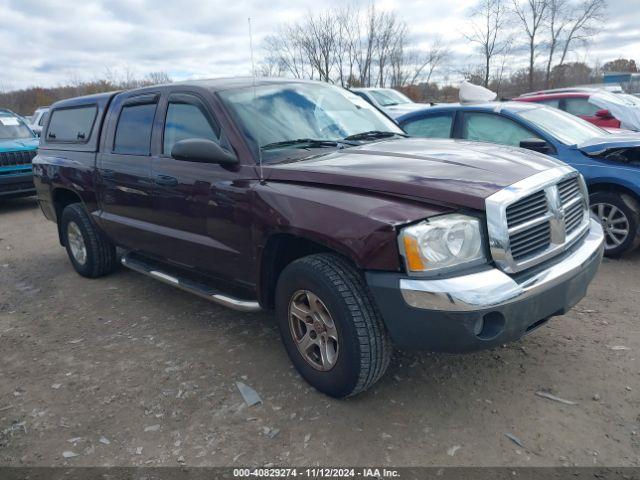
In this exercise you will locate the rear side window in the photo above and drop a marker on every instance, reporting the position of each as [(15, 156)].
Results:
[(133, 133), (580, 106), (553, 102), (434, 126), (489, 127), (186, 120), (72, 125)]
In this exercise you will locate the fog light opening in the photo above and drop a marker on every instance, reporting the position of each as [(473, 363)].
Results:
[(489, 326)]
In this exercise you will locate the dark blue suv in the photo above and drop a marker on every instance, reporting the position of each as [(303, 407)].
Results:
[(609, 161)]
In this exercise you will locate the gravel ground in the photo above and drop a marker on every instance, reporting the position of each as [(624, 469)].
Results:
[(127, 371)]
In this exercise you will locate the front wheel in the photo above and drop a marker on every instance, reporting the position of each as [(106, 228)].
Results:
[(620, 218), (330, 326)]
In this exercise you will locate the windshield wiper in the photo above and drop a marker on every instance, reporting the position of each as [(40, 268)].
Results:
[(306, 143), (374, 134)]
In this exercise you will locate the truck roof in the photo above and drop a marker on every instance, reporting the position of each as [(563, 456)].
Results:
[(214, 84)]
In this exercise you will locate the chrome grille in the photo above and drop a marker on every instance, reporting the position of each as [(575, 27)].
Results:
[(12, 159), (536, 218), (530, 241), (526, 209), (573, 203), (569, 189)]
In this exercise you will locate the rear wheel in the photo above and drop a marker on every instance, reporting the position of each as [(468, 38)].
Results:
[(91, 254), (330, 326), (620, 218)]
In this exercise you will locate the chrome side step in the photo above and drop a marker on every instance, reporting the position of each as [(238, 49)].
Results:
[(187, 285)]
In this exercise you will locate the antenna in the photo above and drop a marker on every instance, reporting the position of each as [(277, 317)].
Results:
[(253, 72), (253, 65)]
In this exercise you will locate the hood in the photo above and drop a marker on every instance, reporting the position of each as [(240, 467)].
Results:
[(598, 145), (450, 172), (18, 144)]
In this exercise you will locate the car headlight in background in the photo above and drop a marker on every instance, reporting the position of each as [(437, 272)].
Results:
[(442, 242)]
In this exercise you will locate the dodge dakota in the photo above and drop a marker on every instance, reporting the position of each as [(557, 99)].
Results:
[(300, 197)]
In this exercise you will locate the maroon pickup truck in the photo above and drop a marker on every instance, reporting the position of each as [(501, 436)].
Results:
[(301, 197)]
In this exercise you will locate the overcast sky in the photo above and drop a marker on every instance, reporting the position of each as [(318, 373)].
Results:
[(51, 42)]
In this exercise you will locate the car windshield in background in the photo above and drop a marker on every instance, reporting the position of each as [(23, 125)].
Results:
[(11, 128), (389, 97), (567, 128), (295, 115)]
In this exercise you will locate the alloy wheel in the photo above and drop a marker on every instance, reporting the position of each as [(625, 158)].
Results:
[(313, 330), (76, 243), (614, 223)]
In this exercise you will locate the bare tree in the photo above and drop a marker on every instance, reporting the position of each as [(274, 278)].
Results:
[(158, 78), (586, 21), (390, 38), (487, 31), (352, 48), (568, 24), (285, 46), (532, 15)]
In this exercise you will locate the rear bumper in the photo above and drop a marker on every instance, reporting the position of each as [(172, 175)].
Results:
[(487, 308), (17, 184)]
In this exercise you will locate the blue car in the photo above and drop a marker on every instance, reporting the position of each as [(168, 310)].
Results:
[(609, 162), (18, 146)]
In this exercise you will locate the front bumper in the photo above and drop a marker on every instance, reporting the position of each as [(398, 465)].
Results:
[(17, 184), (486, 308)]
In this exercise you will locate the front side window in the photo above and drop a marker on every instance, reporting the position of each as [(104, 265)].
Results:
[(186, 120), (133, 133), (11, 127), (434, 126), (488, 127), (72, 125), (580, 107)]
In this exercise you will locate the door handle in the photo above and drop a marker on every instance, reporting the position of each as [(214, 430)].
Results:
[(166, 181), (108, 173)]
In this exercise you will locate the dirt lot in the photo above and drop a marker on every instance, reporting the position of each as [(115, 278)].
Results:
[(127, 371)]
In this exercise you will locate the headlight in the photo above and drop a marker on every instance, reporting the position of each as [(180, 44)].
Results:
[(442, 242)]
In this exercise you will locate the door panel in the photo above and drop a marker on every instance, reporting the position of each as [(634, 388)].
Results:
[(124, 174), (203, 207)]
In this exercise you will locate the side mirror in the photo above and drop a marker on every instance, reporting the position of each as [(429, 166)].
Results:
[(604, 114), (203, 151), (536, 144)]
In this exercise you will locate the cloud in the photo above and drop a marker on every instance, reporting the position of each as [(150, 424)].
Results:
[(50, 42)]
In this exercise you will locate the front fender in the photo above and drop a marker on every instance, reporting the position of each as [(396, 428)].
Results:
[(358, 224)]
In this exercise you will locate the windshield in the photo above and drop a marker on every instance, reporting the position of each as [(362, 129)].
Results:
[(387, 97), (567, 128), (276, 114), (11, 128)]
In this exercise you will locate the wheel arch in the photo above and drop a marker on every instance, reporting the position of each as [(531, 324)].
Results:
[(612, 187), (280, 250), (62, 197)]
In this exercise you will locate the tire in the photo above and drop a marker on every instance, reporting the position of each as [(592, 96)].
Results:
[(617, 212), (99, 257), (363, 349)]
